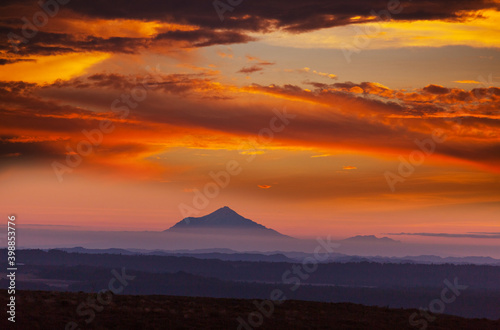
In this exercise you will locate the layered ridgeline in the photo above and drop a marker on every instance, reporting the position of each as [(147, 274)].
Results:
[(224, 220)]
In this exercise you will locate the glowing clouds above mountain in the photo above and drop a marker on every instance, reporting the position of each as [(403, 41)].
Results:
[(153, 99)]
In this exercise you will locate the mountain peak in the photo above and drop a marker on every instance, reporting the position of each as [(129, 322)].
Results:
[(224, 211), (222, 219)]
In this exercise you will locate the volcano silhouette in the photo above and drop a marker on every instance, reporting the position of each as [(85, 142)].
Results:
[(222, 220)]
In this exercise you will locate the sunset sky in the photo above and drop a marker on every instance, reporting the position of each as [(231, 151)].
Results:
[(329, 117)]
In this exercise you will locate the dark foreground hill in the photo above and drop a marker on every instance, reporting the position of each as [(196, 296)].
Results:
[(476, 288), (58, 310)]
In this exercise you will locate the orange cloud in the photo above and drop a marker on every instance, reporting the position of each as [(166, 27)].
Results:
[(170, 116), (258, 60), (472, 28), (107, 28), (228, 54), (47, 69), (467, 82)]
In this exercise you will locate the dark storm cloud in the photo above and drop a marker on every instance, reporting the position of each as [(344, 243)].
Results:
[(204, 38), (250, 69), (44, 43), (292, 15), (436, 89), (60, 43), (4, 61), (249, 16), (22, 147)]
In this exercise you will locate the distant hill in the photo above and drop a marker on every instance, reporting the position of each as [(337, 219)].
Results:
[(80, 249), (369, 239), (223, 219), (231, 256), (286, 256)]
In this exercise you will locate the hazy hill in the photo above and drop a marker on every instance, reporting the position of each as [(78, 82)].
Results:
[(369, 239), (286, 256)]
